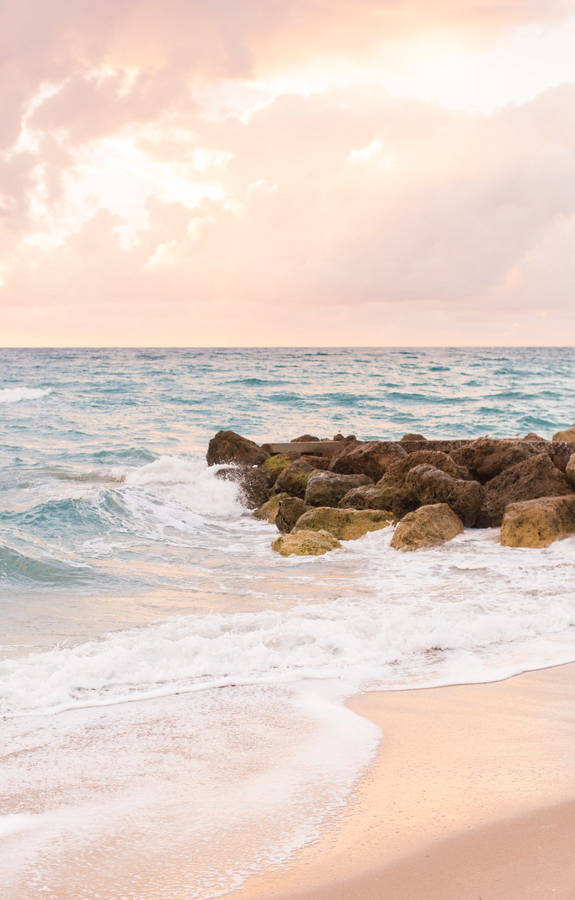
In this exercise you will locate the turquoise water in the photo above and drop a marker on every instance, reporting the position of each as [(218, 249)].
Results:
[(145, 617)]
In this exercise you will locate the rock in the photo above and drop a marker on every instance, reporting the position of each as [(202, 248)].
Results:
[(345, 524), (375, 496), (254, 486), (426, 527), (305, 543), (273, 466), (327, 488), (487, 457), (397, 471), (293, 479), (318, 462), (560, 453), (412, 437), (431, 486), (532, 478), (532, 436), (371, 458), (338, 437), (304, 439), (229, 447), (289, 511), (567, 435), (537, 523), (570, 470), (269, 510)]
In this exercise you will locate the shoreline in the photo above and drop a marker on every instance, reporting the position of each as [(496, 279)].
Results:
[(472, 794)]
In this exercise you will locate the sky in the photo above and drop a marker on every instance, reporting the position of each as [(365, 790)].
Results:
[(287, 172)]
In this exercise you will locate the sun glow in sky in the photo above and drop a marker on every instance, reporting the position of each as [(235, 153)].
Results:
[(371, 172)]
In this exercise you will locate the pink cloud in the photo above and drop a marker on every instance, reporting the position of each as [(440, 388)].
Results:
[(330, 215)]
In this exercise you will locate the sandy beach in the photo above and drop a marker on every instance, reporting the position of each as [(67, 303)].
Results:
[(472, 796)]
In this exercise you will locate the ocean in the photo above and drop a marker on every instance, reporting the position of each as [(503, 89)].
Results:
[(172, 692)]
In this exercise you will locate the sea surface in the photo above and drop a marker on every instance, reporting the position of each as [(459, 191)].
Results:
[(171, 692)]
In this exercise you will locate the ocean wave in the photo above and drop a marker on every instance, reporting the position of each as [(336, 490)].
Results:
[(450, 614), (15, 395), (17, 566), (188, 483), (171, 492)]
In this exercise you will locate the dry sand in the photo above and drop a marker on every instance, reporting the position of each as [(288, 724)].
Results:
[(472, 796)]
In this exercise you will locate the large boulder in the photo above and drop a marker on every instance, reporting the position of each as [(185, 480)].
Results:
[(372, 458), (487, 457), (327, 488), (570, 470), (289, 511), (394, 498), (567, 435), (397, 471), (304, 439), (293, 480), (269, 510), (305, 543), (345, 524), (426, 527), (229, 447), (430, 485), (536, 523), (527, 480)]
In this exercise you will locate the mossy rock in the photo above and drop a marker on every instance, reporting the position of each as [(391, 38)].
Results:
[(274, 465), (305, 543), (269, 510), (345, 524), (294, 478), (427, 526)]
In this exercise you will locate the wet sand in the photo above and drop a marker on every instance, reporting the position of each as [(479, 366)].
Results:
[(472, 796)]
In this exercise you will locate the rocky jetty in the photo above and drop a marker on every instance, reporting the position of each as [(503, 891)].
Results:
[(341, 488)]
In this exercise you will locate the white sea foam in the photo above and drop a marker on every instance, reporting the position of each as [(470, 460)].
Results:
[(454, 613), (188, 483), (15, 395)]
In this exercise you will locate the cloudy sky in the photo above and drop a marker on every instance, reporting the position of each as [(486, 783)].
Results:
[(377, 172)]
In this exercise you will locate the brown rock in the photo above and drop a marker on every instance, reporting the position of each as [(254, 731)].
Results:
[(289, 511), (560, 453), (397, 471), (487, 457), (327, 488), (567, 435), (269, 510), (305, 543), (319, 462), (304, 438), (371, 458), (535, 477), (570, 470), (375, 496), (426, 527), (345, 524), (431, 486), (229, 447), (293, 479), (532, 436), (412, 437), (537, 523)]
